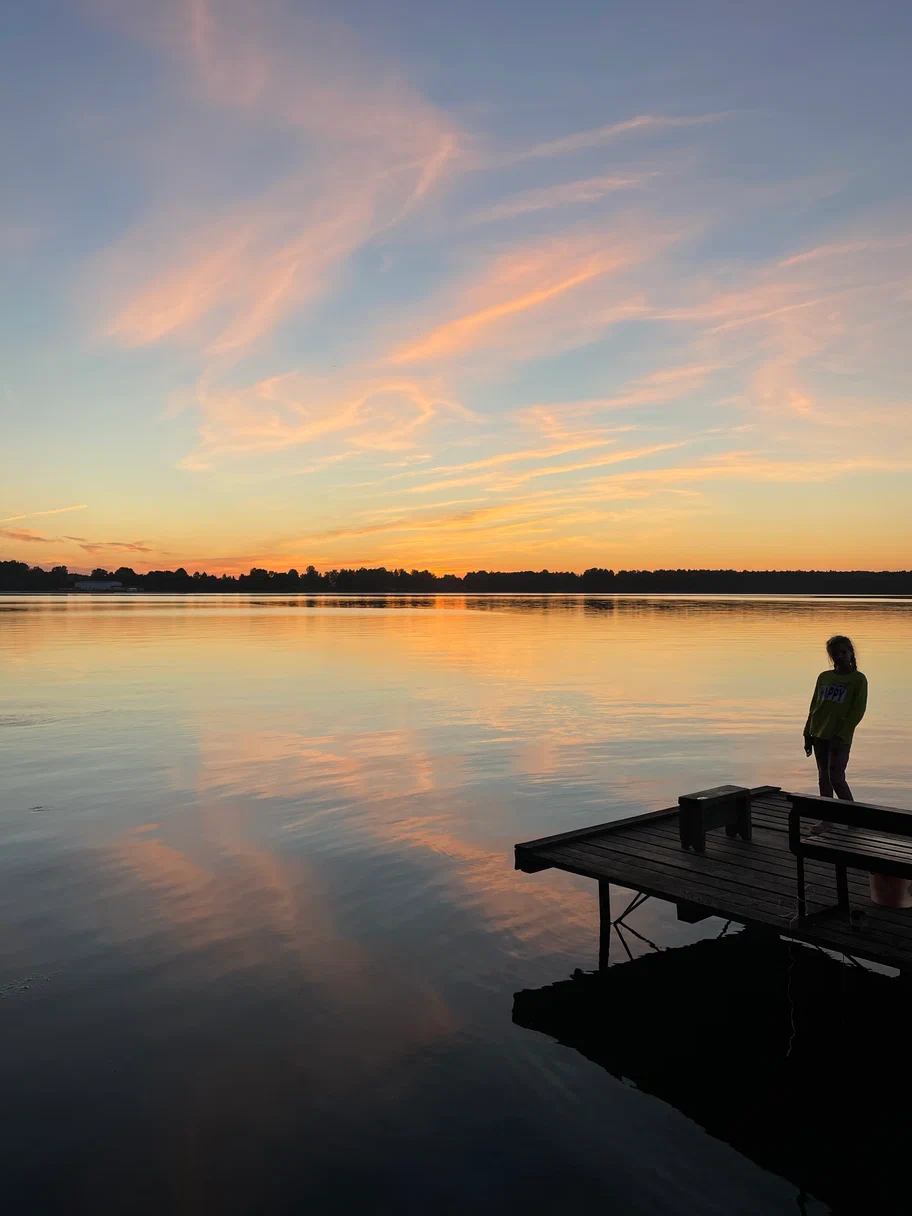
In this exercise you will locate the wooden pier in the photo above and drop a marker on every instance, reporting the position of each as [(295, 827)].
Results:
[(752, 882)]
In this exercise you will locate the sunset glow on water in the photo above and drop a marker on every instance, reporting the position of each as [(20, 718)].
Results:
[(257, 868)]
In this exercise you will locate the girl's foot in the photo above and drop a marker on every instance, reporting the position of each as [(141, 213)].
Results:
[(823, 826)]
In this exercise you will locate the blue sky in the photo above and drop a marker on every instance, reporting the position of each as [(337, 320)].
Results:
[(502, 286)]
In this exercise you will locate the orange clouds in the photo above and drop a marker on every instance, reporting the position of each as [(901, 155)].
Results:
[(454, 336), (667, 497), (525, 282), (529, 454), (662, 387), (500, 482), (546, 513), (356, 280), (760, 467), (613, 458), (53, 511), (294, 410)]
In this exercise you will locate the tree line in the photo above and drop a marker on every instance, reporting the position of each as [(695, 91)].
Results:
[(18, 576)]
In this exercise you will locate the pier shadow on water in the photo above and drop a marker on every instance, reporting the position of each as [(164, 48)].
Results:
[(796, 1059)]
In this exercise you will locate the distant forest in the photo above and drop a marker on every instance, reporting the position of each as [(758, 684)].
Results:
[(18, 576)]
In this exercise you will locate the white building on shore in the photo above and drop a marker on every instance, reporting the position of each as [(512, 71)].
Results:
[(97, 584)]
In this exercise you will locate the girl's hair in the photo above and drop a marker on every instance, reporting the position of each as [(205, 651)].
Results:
[(840, 640)]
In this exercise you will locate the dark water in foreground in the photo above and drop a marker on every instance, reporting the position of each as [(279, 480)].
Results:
[(260, 927)]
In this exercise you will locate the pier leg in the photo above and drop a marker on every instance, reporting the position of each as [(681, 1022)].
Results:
[(604, 922), (802, 902), (842, 890)]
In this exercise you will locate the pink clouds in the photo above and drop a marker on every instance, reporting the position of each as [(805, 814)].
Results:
[(116, 546), (575, 193), (363, 150), (25, 536), (348, 299), (596, 137), (454, 336), (534, 298), (234, 280)]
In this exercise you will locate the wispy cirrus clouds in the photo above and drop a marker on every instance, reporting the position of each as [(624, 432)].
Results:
[(633, 497), (865, 247), (52, 511), (27, 536), (328, 260), (665, 387), (361, 150), (501, 482), (598, 137), (539, 298), (118, 546), (564, 194), (384, 414)]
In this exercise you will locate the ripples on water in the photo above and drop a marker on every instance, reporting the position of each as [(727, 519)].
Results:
[(261, 928)]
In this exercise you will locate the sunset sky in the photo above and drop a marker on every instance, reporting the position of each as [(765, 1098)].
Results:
[(499, 285)]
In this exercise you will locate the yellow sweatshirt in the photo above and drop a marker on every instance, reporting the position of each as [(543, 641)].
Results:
[(837, 706)]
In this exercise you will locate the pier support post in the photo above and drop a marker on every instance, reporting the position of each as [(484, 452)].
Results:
[(604, 891)]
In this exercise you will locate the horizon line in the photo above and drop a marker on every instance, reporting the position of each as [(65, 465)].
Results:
[(502, 572)]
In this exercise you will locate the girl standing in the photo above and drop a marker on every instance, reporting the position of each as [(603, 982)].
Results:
[(837, 706)]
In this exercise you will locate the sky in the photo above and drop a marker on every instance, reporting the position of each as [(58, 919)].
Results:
[(506, 286)]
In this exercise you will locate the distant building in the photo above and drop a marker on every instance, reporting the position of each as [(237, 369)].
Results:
[(97, 584)]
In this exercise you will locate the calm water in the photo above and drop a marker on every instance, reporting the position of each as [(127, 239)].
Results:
[(260, 925)]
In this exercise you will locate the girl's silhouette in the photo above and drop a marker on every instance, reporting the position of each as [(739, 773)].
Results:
[(837, 706)]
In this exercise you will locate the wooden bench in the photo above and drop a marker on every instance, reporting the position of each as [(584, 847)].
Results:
[(727, 806), (865, 837)]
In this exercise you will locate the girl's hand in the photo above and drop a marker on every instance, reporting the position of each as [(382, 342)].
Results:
[(808, 746)]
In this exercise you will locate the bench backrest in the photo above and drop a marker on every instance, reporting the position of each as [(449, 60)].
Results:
[(891, 819), (886, 820)]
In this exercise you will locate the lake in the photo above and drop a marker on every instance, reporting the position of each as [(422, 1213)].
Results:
[(261, 928)]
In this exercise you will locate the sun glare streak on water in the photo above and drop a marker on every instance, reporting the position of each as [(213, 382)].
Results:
[(258, 897)]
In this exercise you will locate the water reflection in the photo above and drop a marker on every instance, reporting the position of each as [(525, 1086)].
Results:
[(756, 1054), (271, 888)]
